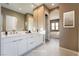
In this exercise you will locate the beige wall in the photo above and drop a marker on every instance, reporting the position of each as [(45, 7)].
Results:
[(0, 18), (54, 14), (0, 32), (69, 36), (39, 18), (0, 8), (35, 16), (20, 18), (78, 27)]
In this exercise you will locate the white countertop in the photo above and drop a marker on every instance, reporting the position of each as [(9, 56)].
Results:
[(19, 34)]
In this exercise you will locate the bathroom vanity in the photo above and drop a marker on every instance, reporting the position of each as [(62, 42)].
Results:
[(19, 44)]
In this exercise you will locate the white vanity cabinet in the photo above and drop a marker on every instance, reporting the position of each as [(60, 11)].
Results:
[(20, 44)]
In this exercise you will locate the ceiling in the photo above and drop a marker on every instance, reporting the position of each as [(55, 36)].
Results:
[(25, 7), (51, 6)]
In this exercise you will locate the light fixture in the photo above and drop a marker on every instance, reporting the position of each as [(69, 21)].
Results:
[(20, 8), (53, 4), (32, 5)]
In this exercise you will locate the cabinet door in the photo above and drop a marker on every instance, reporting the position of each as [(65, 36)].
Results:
[(39, 39), (40, 36), (31, 42), (22, 46), (10, 49)]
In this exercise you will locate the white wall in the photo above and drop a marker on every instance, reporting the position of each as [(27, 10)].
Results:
[(54, 14)]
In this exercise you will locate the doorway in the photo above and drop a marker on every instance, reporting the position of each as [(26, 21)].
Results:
[(46, 28)]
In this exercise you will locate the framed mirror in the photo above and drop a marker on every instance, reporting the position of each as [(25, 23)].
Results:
[(69, 19), (11, 23)]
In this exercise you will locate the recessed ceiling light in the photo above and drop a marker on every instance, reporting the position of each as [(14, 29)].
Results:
[(20, 8), (32, 5), (53, 4)]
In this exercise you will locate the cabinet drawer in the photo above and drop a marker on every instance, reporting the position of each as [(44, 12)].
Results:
[(7, 40)]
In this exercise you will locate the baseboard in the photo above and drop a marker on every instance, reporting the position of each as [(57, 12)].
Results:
[(72, 51)]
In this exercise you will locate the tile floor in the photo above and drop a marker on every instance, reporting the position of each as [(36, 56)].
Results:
[(51, 48)]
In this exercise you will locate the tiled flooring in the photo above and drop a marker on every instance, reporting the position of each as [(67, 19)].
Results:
[(50, 49)]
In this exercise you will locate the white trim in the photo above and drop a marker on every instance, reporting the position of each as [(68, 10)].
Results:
[(72, 51)]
